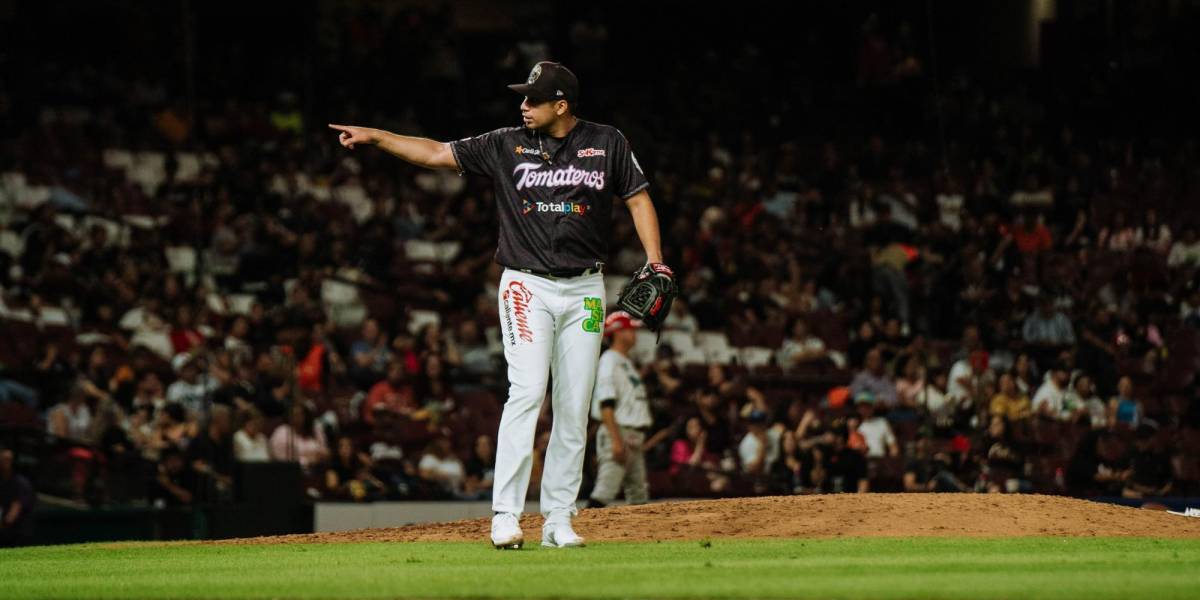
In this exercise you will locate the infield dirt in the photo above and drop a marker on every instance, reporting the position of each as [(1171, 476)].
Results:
[(868, 515)]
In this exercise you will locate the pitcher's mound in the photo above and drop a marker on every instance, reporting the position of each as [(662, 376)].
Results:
[(868, 515)]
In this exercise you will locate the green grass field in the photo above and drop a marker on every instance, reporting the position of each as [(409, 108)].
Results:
[(838, 568)]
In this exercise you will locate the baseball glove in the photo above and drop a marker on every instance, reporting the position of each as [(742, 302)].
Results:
[(649, 294)]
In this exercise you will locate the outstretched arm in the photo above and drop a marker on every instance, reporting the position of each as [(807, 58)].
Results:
[(645, 220), (422, 152)]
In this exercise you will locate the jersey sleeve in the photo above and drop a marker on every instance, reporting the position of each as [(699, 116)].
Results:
[(479, 155), (606, 383), (627, 176)]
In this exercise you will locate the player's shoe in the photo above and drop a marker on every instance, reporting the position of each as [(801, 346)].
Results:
[(560, 535), (506, 532)]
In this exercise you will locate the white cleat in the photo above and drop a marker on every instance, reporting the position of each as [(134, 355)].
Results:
[(560, 535), (506, 532)]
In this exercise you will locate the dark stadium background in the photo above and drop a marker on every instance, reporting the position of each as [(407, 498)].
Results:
[(795, 97)]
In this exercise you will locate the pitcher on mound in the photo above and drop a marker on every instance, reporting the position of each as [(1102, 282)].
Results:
[(555, 179)]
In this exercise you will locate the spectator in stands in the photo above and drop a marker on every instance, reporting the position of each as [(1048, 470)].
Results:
[(1009, 403), (1151, 474), (440, 467), (477, 359), (1005, 464), (1023, 374), (968, 379), (349, 477), (1123, 409), (1085, 405), (801, 348), (212, 456), (1185, 252), (140, 429), (1119, 235), (249, 442), (71, 419), (109, 434), (238, 342), (1047, 327), (709, 410), (931, 473), (149, 392), (433, 390), (17, 501), (393, 395), (176, 482), (1153, 234), (690, 454), (55, 376), (431, 341), (846, 466), (1030, 235), (864, 340), (193, 389), (1097, 347), (663, 378), (759, 448), (933, 398), (1050, 401), (185, 337), (480, 469), (889, 279), (1099, 467), (874, 428), (172, 429), (789, 470), (873, 379), (300, 439), (679, 319), (911, 382), (96, 376), (369, 355), (719, 380)]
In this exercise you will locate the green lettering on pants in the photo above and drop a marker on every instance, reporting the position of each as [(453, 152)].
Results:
[(593, 323)]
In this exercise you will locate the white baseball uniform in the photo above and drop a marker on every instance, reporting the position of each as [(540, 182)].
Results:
[(555, 200), (618, 379)]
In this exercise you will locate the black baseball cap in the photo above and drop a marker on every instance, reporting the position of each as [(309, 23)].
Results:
[(549, 81)]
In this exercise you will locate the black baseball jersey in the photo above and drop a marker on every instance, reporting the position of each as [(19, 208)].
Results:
[(555, 197)]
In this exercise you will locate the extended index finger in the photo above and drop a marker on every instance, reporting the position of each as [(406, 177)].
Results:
[(345, 128)]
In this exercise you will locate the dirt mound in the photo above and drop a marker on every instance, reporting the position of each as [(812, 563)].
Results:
[(869, 515)]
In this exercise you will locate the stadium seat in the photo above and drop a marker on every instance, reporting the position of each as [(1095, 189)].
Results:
[(644, 346), (715, 345), (181, 259), (420, 251), (754, 357), (691, 356), (11, 243), (418, 319), (679, 341)]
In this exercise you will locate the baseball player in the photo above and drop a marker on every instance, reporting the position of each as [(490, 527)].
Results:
[(619, 403), (555, 180)]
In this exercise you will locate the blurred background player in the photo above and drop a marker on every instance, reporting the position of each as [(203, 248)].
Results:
[(555, 179), (619, 403)]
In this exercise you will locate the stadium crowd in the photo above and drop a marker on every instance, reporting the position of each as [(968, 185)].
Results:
[(1012, 308)]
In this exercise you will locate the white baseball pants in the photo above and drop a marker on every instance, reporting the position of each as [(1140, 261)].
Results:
[(612, 476), (549, 327)]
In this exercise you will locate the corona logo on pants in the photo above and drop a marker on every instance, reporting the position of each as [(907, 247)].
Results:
[(516, 308)]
